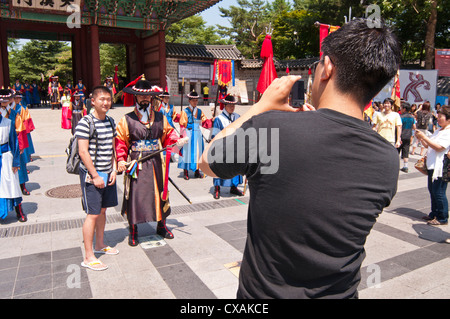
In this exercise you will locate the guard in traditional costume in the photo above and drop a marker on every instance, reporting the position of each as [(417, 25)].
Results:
[(191, 119), (168, 109), (77, 110), (69, 87), (66, 115), (110, 85), (18, 87), (171, 116), (35, 95), (220, 122), (54, 91), (17, 115), (140, 133), (10, 192), (80, 88), (27, 96), (21, 109)]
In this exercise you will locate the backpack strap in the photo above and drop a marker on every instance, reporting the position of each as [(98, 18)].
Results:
[(93, 133)]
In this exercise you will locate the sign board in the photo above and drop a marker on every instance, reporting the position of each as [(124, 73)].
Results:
[(442, 61), (416, 87), (50, 6), (194, 70)]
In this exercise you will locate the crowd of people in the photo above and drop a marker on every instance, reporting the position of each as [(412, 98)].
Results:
[(424, 129), (297, 246)]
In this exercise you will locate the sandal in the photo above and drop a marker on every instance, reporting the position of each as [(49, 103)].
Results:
[(435, 222), (93, 265), (427, 218), (107, 251)]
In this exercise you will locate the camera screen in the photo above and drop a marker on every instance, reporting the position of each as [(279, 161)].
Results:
[(298, 94)]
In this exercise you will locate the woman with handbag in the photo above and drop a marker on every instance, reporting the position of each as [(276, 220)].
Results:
[(438, 145)]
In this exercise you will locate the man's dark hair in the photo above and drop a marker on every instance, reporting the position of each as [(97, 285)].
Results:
[(365, 58), (406, 106), (446, 111), (100, 88)]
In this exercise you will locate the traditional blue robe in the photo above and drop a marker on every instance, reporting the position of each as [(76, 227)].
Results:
[(23, 174), (168, 114), (192, 151), (7, 204), (222, 121)]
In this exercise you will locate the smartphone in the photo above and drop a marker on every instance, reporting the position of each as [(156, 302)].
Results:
[(298, 94)]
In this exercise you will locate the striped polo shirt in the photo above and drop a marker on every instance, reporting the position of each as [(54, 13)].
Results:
[(106, 133)]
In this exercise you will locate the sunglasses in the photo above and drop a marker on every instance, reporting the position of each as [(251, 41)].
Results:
[(314, 65)]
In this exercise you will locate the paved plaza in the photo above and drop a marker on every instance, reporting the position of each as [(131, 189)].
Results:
[(406, 258)]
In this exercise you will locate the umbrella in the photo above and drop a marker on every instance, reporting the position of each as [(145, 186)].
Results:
[(268, 73)]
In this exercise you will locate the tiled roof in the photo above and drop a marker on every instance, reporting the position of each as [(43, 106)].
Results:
[(443, 86), (225, 52), (279, 64)]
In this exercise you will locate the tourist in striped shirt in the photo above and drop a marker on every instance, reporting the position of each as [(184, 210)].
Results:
[(97, 175)]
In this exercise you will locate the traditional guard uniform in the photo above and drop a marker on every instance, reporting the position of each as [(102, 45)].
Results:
[(17, 115), (54, 90), (220, 122), (27, 95), (24, 113), (140, 133), (80, 88), (10, 192), (110, 85), (35, 95), (78, 110), (191, 118), (18, 87), (168, 110)]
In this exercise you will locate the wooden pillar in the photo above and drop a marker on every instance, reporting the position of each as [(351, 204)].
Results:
[(4, 68), (94, 44), (162, 59)]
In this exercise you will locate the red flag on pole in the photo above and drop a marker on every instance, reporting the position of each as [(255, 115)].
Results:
[(268, 73), (396, 91), (116, 78)]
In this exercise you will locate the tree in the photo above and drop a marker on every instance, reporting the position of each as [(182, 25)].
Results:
[(110, 56), (193, 30), (248, 23), (36, 57)]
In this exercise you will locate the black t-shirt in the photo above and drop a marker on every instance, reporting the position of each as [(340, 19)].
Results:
[(309, 215)]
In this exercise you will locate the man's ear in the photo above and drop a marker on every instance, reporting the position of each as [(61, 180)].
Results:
[(328, 68)]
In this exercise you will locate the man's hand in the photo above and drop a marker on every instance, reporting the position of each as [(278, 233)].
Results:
[(112, 178), (15, 170), (276, 96), (98, 182)]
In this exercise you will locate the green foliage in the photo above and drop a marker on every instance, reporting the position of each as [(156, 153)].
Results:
[(110, 56), (248, 23), (193, 30), (36, 57)]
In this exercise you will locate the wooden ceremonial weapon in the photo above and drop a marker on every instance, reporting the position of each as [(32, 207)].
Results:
[(180, 191)]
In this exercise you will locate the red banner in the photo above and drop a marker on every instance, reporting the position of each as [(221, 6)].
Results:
[(224, 72)]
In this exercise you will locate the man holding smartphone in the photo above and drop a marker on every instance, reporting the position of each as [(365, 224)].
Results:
[(308, 221), (95, 134)]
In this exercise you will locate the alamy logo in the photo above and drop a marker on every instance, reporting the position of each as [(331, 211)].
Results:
[(250, 146), (74, 19)]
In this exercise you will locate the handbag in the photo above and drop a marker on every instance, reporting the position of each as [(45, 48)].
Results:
[(421, 165)]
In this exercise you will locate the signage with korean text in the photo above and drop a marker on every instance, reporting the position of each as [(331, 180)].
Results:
[(46, 5)]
